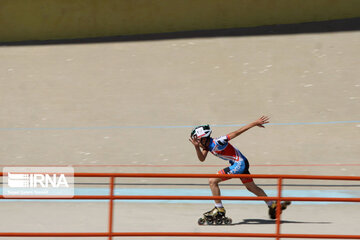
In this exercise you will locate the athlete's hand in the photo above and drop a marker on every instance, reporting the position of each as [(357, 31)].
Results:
[(261, 121), (195, 141)]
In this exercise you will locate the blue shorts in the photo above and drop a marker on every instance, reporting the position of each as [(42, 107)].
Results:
[(238, 167)]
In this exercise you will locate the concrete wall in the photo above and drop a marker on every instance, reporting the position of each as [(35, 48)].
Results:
[(61, 19)]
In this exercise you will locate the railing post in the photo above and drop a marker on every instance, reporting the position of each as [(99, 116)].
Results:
[(278, 209), (111, 207)]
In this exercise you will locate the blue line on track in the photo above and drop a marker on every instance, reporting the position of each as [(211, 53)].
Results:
[(166, 127), (200, 192)]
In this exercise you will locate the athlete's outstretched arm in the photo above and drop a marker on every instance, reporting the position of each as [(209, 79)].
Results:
[(201, 153), (260, 123)]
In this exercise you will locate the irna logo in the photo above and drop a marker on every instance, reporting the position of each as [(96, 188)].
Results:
[(43, 180), (40, 181)]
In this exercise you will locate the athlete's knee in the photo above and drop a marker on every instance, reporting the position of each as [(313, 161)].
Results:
[(213, 181)]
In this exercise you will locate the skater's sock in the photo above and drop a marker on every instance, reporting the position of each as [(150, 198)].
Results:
[(269, 203), (219, 205)]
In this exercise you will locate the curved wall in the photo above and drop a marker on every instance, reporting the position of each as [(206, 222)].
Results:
[(22, 20)]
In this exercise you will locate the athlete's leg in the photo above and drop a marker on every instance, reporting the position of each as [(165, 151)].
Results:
[(255, 189), (251, 186), (215, 189)]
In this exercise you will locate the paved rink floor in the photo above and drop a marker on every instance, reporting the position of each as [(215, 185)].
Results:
[(155, 217), (130, 106)]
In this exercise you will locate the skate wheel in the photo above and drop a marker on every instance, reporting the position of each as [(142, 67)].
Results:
[(285, 204), (210, 221), (201, 221), (218, 221), (228, 221)]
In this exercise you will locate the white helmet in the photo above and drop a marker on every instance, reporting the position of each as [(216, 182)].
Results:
[(201, 131)]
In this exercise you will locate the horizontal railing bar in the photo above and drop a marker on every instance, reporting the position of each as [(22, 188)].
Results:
[(326, 236), (211, 234), (178, 234), (183, 175), (95, 197), (149, 197), (222, 184), (320, 199), (45, 234), (157, 197)]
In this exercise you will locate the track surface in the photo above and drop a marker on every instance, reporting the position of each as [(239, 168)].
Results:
[(130, 106)]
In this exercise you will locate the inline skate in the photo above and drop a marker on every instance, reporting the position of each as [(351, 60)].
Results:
[(216, 215), (272, 208)]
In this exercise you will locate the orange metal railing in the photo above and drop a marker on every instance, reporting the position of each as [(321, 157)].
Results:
[(111, 197)]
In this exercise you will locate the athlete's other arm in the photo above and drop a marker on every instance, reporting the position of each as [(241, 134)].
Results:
[(260, 123), (201, 153)]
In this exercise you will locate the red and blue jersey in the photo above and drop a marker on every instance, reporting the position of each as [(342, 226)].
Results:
[(221, 148)]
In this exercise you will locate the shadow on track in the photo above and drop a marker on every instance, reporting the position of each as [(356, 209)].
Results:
[(256, 221)]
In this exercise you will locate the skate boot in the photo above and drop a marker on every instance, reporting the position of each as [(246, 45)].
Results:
[(272, 208), (216, 215)]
